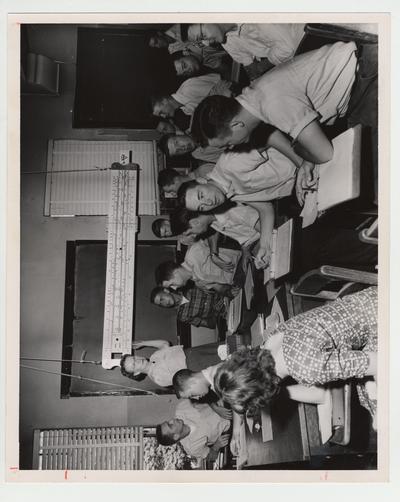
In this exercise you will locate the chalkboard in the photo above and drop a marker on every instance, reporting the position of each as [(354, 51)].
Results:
[(117, 72), (83, 317)]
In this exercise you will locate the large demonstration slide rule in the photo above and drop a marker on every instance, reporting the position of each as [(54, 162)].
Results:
[(120, 280)]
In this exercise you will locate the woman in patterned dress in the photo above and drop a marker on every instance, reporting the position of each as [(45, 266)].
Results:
[(334, 342)]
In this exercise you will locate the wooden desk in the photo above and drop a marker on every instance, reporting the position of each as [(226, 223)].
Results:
[(289, 443)]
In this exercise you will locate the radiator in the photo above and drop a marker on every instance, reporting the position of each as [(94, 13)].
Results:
[(101, 448)]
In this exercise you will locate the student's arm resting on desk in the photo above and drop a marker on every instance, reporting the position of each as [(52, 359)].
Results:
[(313, 145), (157, 344), (305, 180), (228, 266), (267, 219), (235, 440), (221, 442), (304, 394), (282, 143)]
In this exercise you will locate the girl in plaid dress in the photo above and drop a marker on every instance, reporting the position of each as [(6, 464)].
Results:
[(334, 342)]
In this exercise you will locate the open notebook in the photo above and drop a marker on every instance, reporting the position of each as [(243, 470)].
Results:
[(338, 179), (235, 312), (281, 256)]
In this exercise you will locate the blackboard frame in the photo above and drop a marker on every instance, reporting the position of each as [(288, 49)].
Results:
[(68, 329)]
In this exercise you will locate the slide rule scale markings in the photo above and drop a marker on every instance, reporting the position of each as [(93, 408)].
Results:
[(119, 293)]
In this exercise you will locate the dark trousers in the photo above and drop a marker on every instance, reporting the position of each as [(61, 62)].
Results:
[(200, 357)]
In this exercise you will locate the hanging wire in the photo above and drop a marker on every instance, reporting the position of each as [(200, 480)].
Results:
[(95, 168), (60, 360), (78, 377)]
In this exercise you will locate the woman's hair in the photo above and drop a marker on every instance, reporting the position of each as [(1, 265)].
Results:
[(248, 381), (138, 378)]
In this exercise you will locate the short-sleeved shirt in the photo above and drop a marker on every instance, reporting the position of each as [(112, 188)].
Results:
[(207, 153), (165, 363), (238, 223), (209, 374), (277, 42), (198, 262), (253, 176), (193, 90), (202, 171), (314, 85), (201, 308), (206, 427), (331, 342)]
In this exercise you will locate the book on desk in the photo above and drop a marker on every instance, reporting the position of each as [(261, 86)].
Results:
[(338, 180), (281, 252)]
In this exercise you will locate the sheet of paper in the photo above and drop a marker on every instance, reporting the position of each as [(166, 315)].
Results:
[(310, 209), (267, 275), (276, 309), (325, 419), (250, 423), (339, 179), (266, 425), (257, 331), (242, 457), (249, 287), (271, 290)]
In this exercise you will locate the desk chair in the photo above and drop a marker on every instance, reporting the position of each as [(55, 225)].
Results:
[(328, 283), (370, 234)]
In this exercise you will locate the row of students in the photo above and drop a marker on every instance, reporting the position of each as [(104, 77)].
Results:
[(297, 99), (340, 343)]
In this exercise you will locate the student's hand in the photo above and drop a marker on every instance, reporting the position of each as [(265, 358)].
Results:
[(305, 180), (221, 442), (138, 345), (235, 443), (234, 291), (228, 266), (223, 412), (263, 257)]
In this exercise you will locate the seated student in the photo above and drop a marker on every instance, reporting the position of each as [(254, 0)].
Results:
[(239, 222), (199, 429), (161, 228), (208, 196), (187, 66), (174, 145), (193, 305), (199, 267), (334, 342), (166, 360), (169, 180), (254, 178), (171, 39), (190, 384), (213, 59), (167, 127), (297, 97), (191, 92), (249, 41)]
